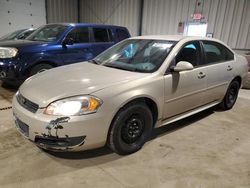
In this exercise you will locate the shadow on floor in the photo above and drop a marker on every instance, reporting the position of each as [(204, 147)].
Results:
[(158, 132), (9, 87)]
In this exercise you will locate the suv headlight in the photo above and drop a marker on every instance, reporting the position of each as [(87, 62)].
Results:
[(8, 52), (74, 106)]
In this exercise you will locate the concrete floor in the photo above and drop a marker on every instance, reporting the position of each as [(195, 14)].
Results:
[(210, 149)]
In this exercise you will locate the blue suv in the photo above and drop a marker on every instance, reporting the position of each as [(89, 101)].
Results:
[(55, 45)]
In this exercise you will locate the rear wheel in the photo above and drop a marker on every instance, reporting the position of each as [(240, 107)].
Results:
[(231, 95), (131, 128), (40, 68)]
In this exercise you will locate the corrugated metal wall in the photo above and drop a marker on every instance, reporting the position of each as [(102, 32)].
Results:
[(228, 20), (21, 14), (117, 12), (62, 11)]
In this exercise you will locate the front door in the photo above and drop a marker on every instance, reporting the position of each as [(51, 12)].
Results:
[(81, 49), (185, 90)]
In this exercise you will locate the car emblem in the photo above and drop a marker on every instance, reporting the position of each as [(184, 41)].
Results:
[(23, 100)]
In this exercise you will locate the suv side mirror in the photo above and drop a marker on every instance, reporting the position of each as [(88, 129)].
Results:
[(182, 66), (67, 41)]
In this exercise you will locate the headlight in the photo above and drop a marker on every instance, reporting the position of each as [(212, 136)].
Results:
[(74, 106), (8, 52)]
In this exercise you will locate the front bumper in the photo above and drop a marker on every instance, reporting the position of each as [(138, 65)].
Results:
[(10, 70), (79, 133)]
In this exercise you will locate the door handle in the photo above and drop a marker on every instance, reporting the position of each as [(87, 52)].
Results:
[(229, 68), (201, 75)]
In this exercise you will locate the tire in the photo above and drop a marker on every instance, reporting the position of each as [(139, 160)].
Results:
[(40, 68), (231, 95), (6, 85), (131, 128), (247, 82)]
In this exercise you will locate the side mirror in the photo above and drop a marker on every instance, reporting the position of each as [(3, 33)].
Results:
[(67, 41), (182, 66)]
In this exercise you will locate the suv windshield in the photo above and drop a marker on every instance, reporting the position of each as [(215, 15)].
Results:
[(136, 55), (47, 33), (12, 35)]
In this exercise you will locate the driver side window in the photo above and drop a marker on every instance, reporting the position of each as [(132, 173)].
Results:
[(79, 35), (190, 53)]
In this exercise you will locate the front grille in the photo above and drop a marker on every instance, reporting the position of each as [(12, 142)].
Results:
[(27, 104), (22, 127)]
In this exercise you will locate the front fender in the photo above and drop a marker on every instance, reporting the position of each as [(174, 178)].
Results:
[(115, 97), (30, 60)]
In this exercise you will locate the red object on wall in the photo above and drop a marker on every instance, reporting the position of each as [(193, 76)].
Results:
[(180, 27), (197, 16)]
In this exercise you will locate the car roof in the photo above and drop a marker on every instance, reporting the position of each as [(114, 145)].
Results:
[(85, 24), (173, 37), (178, 38)]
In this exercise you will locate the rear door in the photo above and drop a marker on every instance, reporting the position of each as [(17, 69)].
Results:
[(219, 64), (121, 34), (185, 90), (81, 49), (101, 39)]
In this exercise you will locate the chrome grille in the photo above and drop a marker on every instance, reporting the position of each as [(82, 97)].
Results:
[(27, 104)]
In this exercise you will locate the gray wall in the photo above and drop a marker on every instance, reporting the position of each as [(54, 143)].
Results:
[(62, 11), (21, 14), (117, 12), (228, 20)]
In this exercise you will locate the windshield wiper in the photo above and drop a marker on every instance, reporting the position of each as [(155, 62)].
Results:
[(38, 40), (133, 69), (94, 61)]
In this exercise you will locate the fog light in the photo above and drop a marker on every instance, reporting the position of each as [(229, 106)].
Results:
[(2, 74)]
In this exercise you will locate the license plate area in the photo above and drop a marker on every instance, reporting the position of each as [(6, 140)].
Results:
[(22, 127)]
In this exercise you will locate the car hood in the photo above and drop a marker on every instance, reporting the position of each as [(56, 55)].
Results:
[(71, 80), (20, 43)]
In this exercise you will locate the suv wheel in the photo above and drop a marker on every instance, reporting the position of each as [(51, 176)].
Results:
[(131, 128), (40, 68), (231, 95)]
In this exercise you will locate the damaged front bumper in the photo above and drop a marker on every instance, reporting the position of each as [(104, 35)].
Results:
[(54, 143), (48, 141), (69, 134)]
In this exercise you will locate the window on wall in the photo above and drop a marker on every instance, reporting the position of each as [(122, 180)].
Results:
[(101, 35), (79, 35), (195, 29)]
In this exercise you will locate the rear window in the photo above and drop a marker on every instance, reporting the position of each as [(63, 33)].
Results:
[(101, 35), (122, 34), (216, 52)]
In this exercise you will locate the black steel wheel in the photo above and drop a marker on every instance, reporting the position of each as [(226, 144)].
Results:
[(231, 95), (131, 128)]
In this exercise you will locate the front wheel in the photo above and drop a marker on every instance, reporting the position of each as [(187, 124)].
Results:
[(131, 128), (231, 95), (40, 68)]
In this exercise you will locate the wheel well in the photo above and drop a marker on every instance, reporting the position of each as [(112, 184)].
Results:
[(150, 104), (238, 79), (39, 63)]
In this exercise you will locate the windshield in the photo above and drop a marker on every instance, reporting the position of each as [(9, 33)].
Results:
[(47, 33), (138, 55), (12, 35)]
